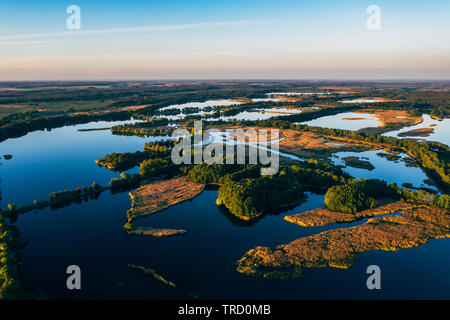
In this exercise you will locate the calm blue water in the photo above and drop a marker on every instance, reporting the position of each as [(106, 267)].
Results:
[(201, 262), (337, 122), (64, 158), (389, 171), (441, 128)]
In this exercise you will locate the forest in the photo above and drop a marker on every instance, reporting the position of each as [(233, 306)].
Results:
[(148, 128), (127, 160), (247, 195), (355, 196), (11, 263), (15, 126), (249, 198)]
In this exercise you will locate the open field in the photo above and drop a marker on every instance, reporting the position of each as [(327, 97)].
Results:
[(337, 248), (308, 144), (423, 132), (393, 117), (158, 196), (322, 217)]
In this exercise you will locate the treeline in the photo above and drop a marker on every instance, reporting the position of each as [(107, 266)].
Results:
[(160, 146), (125, 182), (132, 93), (415, 108), (11, 263), (306, 115), (419, 196), (362, 194), (310, 173), (193, 92), (10, 127), (59, 199), (417, 102), (186, 110), (127, 160), (251, 106), (318, 176), (219, 174), (148, 128), (155, 168), (65, 197), (160, 167), (123, 161), (314, 114)]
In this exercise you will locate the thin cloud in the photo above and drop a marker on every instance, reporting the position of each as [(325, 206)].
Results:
[(11, 43), (175, 27)]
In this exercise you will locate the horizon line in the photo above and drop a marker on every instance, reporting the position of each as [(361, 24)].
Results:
[(231, 79)]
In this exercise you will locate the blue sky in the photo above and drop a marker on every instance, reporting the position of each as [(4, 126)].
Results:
[(224, 39)]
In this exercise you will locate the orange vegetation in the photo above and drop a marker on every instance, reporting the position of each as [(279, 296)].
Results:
[(295, 140), (337, 248), (154, 232), (241, 100), (380, 99), (304, 144), (135, 107), (288, 98), (423, 132), (321, 217), (393, 117), (158, 196), (308, 143), (278, 112)]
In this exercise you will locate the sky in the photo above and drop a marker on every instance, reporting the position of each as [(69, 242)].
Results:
[(215, 39)]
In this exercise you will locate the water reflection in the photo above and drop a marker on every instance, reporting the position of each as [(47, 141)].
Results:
[(356, 121), (341, 121), (441, 130), (391, 171)]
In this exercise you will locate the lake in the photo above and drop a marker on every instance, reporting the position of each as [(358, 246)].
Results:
[(204, 104), (253, 114), (203, 261), (441, 128), (390, 171), (338, 121)]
